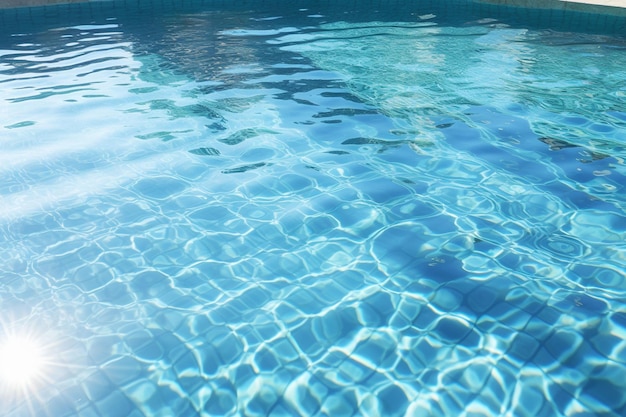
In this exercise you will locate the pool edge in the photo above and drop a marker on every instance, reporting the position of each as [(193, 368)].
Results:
[(19, 4), (610, 7), (604, 7)]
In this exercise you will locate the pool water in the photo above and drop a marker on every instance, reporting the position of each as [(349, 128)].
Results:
[(272, 208)]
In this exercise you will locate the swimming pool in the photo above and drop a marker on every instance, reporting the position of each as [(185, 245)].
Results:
[(307, 208)]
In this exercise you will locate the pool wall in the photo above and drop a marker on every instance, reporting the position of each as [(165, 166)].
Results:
[(596, 17), (613, 7), (35, 3), (610, 7), (548, 14)]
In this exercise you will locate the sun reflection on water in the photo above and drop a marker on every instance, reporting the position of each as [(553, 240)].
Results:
[(26, 366), (37, 363), (22, 361)]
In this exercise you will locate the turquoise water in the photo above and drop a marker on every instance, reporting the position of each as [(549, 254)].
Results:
[(297, 208)]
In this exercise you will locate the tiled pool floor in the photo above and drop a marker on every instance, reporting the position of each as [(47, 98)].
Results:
[(325, 208)]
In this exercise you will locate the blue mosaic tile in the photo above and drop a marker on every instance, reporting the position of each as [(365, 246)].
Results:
[(411, 209)]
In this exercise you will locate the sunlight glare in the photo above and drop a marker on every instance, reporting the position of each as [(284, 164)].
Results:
[(21, 361)]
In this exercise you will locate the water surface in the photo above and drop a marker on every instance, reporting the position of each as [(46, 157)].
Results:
[(295, 208)]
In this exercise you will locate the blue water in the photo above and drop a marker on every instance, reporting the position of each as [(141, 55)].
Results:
[(299, 208)]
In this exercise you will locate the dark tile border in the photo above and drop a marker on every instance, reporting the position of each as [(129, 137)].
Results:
[(9, 4), (609, 8)]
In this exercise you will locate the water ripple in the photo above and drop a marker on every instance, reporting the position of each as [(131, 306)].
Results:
[(288, 212)]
